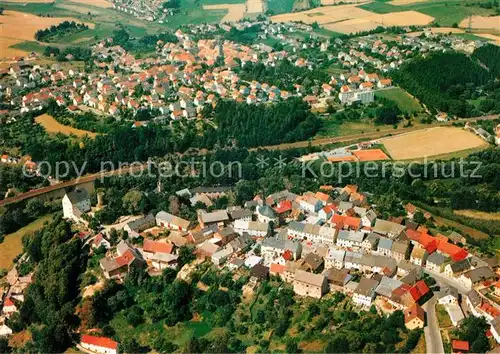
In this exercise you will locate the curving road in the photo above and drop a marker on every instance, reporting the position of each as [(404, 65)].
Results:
[(433, 340)]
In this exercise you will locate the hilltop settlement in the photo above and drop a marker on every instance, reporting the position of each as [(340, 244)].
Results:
[(328, 241)]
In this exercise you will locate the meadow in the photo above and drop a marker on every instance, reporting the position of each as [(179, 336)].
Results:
[(405, 102), (445, 12)]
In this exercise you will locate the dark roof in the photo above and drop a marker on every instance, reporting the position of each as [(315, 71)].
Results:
[(259, 271), (209, 190), (313, 260), (78, 195)]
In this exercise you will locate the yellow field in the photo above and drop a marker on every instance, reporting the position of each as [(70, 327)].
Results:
[(17, 27), (98, 3), (235, 12), (255, 6), (350, 18), (431, 142), (478, 214), (496, 39), (482, 22), (53, 126), (12, 245)]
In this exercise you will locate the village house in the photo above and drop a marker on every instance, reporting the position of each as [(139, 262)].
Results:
[(252, 228), (436, 262), (370, 243), (160, 254), (309, 284), (311, 232), (364, 294), (9, 307), (266, 214), (418, 256), (399, 250), (385, 246), (388, 228), (118, 267), (334, 258), (414, 317), (350, 239), (135, 227), (455, 269), (75, 204), (169, 221), (477, 276), (276, 247), (219, 217), (100, 345)]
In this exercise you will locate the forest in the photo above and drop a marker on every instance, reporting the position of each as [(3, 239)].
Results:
[(443, 81), (489, 55), (257, 125), (66, 27)]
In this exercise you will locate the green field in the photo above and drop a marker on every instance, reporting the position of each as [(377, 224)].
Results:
[(405, 102), (280, 6), (446, 13)]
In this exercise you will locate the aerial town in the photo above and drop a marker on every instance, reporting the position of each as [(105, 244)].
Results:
[(320, 242), (357, 207)]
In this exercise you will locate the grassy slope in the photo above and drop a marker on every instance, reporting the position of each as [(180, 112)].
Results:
[(404, 101), (12, 245)]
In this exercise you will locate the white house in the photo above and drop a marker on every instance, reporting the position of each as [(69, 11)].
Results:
[(334, 258), (253, 228), (75, 204), (8, 307), (350, 239), (102, 345), (310, 204), (364, 294)]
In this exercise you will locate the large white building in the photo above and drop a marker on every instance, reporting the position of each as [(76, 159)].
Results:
[(101, 345), (252, 228), (75, 204)]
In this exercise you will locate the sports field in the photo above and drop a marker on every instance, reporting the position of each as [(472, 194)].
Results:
[(53, 126), (431, 142)]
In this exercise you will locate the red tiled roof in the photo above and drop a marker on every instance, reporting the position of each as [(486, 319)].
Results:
[(414, 311), (418, 290), (103, 342), (283, 207), (8, 302), (460, 345), (456, 253), (352, 222), (277, 268), (157, 247)]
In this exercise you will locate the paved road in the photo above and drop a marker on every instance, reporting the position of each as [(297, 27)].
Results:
[(433, 340), (440, 278)]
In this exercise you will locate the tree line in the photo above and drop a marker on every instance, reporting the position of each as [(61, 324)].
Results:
[(66, 27)]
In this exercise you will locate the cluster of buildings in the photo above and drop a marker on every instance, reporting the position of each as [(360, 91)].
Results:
[(483, 134), (331, 240)]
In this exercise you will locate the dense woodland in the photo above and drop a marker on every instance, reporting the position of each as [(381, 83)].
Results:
[(54, 31), (489, 55), (257, 125), (444, 81)]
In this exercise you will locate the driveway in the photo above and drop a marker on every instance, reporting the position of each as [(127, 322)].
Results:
[(433, 340)]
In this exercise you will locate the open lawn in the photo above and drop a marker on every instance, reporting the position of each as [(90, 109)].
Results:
[(53, 126), (405, 101), (12, 245), (431, 142), (280, 6)]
